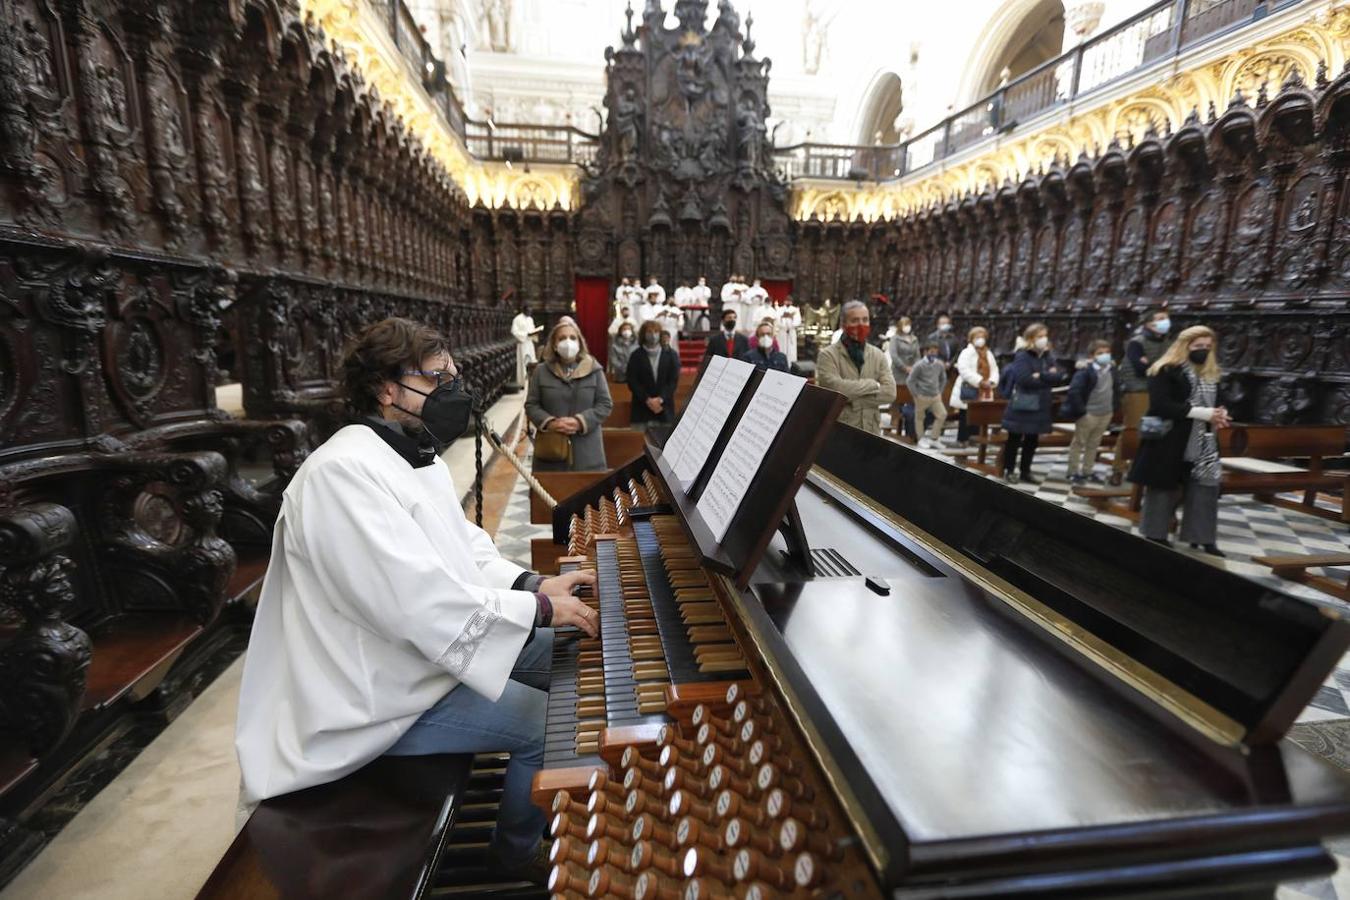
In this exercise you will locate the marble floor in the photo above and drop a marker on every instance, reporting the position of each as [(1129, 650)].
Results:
[(161, 825)]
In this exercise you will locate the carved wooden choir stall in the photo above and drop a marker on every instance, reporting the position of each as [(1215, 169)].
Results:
[(185, 186)]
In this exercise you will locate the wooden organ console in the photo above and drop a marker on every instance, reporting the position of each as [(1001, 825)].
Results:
[(895, 677)]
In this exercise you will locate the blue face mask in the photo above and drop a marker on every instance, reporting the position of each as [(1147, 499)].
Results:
[(932, 357), (1162, 326), (1103, 359)]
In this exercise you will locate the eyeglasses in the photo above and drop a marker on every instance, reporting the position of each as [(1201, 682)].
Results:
[(439, 375)]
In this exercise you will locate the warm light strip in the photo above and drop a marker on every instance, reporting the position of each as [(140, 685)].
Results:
[(1322, 34)]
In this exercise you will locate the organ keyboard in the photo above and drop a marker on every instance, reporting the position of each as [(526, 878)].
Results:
[(928, 705)]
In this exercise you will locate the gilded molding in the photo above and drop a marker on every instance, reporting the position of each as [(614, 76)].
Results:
[(1164, 106), (356, 28)]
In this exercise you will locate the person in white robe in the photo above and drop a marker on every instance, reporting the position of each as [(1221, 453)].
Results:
[(650, 307), (789, 320), (654, 288), (623, 295), (524, 331), (700, 296), (387, 623), (733, 298), (671, 318), (682, 294), (756, 300), (623, 317)]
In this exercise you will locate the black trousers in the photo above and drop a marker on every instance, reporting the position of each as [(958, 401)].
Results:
[(1028, 443), (963, 429)]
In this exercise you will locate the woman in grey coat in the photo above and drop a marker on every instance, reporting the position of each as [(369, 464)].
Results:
[(568, 393)]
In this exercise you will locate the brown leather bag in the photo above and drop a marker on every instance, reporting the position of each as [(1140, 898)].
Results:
[(552, 446)]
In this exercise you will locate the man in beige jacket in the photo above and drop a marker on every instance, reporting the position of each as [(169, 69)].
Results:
[(858, 370)]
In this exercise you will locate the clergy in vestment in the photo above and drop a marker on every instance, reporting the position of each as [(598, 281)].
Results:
[(387, 623), (789, 320), (524, 330), (700, 295), (655, 290)]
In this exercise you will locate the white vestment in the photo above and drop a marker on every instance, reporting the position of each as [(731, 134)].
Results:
[(789, 319), (654, 292), (523, 330), (756, 299), (682, 294), (646, 310), (618, 321), (733, 294), (700, 295), (380, 598), (672, 320)]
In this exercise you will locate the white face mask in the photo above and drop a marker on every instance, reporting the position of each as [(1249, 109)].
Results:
[(626, 335), (906, 329), (978, 342), (568, 347), (765, 342), (1042, 342)]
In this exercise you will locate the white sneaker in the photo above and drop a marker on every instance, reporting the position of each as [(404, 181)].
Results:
[(925, 444)]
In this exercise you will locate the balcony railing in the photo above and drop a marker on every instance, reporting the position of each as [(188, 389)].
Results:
[(407, 37), (511, 142), (1163, 31)]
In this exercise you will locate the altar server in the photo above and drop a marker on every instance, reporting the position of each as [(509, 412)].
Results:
[(789, 320), (524, 330), (387, 623)]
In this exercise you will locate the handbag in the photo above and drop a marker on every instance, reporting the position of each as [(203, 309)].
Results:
[(1152, 428), (1025, 401), (552, 446), (969, 391)]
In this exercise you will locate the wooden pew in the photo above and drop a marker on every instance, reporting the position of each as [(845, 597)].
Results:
[(1240, 447), (1257, 475), (621, 447), (986, 415), (377, 833), (1295, 568), (560, 485)]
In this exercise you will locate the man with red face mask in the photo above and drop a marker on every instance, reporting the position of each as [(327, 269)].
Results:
[(858, 370)]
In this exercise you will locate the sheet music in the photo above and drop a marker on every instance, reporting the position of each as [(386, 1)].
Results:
[(740, 461), (679, 438), (718, 400)]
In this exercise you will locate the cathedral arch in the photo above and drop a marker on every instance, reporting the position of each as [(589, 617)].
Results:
[(1019, 36), (881, 109)]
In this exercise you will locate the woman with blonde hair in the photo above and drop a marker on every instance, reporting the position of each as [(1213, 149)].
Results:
[(568, 402), (1178, 459)]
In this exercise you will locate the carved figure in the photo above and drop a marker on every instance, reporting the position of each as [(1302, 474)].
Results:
[(496, 16)]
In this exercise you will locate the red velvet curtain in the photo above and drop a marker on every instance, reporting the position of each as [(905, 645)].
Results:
[(593, 315), (778, 290)]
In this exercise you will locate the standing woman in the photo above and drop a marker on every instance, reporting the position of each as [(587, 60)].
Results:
[(904, 353), (568, 401), (1178, 460), (621, 347), (653, 373), (976, 375), (1027, 384)]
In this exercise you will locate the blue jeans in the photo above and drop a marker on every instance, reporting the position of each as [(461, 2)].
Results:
[(465, 722)]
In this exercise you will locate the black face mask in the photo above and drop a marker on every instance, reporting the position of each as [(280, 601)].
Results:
[(729, 325), (446, 411), (1198, 357)]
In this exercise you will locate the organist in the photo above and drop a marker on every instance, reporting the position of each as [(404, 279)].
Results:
[(388, 624)]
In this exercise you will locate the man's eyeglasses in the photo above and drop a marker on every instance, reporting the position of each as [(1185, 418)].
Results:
[(441, 376)]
